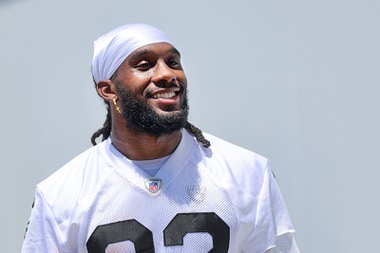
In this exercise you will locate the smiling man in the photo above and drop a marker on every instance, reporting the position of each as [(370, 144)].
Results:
[(156, 183)]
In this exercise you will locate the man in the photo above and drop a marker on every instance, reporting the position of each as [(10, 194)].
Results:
[(156, 183)]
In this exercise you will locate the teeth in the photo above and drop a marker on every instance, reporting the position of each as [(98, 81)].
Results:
[(164, 95)]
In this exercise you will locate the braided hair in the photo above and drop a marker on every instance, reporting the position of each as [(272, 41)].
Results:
[(107, 126), (197, 133)]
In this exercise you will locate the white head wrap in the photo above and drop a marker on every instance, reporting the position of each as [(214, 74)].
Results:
[(112, 48)]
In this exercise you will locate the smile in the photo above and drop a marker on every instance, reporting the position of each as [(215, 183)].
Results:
[(165, 95)]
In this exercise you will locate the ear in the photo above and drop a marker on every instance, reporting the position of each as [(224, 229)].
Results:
[(106, 89)]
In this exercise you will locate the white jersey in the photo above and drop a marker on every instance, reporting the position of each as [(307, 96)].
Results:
[(220, 199)]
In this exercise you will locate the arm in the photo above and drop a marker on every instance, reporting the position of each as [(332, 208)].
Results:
[(43, 234)]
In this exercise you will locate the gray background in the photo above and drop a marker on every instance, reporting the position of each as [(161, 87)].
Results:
[(296, 81)]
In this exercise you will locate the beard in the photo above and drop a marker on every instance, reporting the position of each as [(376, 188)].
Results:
[(142, 118)]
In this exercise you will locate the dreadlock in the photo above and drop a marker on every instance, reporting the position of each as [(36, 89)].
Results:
[(197, 133), (107, 125), (106, 129)]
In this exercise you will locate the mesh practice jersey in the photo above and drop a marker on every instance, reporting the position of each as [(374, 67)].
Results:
[(220, 199)]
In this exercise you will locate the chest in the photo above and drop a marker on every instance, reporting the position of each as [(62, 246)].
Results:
[(191, 213)]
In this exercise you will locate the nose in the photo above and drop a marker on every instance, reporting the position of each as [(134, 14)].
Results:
[(163, 74)]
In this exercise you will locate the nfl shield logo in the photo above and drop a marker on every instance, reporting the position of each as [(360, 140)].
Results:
[(153, 185)]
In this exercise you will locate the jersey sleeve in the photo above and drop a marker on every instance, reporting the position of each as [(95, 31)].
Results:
[(285, 243), (43, 234), (273, 231)]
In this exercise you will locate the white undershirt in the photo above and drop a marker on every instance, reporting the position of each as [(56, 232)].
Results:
[(151, 167)]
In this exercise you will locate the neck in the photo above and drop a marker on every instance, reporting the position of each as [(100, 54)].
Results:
[(141, 146)]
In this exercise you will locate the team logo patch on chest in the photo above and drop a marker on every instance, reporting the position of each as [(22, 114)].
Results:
[(153, 184)]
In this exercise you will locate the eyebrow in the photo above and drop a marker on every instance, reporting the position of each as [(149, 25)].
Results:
[(148, 51), (174, 51), (140, 53)]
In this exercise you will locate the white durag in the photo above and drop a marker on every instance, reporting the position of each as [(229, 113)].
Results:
[(112, 48)]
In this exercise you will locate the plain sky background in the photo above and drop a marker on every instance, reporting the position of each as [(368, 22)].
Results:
[(296, 81)]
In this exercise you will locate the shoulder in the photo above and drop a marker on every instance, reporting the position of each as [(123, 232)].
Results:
[(74, 181), (234, 155), (235, 166), (221, 145), (250, 185)]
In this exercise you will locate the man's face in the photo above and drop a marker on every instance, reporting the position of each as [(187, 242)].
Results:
[(151, 85)]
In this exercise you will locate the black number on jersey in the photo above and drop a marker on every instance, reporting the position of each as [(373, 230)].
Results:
[(129, 230), (184, 223), (179, 226)]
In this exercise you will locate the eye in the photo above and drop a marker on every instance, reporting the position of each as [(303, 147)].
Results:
[(174, 63), (143, 65)]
